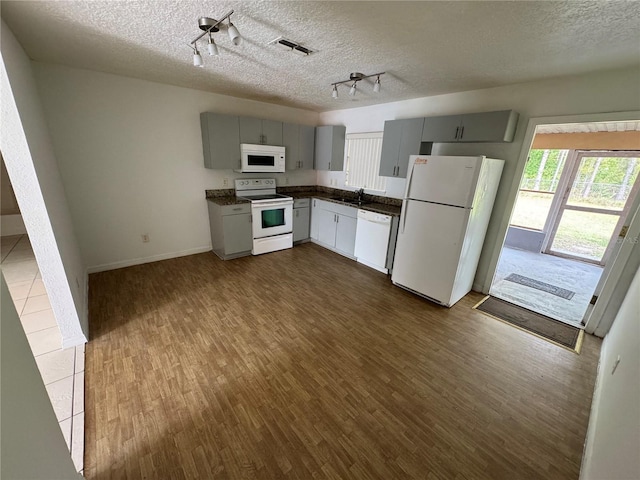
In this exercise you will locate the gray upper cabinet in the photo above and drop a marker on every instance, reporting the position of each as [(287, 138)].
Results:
[(441, 129), (401, 139), (260, 132), (272, 132), (330, 147), (307, 146), (497, 126), (299, 141), (220, 141), (391, 139), (489, 126)]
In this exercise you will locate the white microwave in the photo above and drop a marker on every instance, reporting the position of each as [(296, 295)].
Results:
[(261, 158)]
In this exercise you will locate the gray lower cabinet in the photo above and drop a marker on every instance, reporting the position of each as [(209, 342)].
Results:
[(231, 233), (220, 141), (299, 141), (260, 132), (400, 140), (301, 217), (314, 223), (329, 147), (497, 126), (335, 226)]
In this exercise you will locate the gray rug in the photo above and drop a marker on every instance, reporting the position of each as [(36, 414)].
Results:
[(538, 285), (540, 325)]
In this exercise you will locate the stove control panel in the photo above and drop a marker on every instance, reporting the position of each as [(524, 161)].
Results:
[(255, 183)]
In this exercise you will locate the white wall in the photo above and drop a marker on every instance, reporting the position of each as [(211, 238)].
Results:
[(611, 91), (31, 442), (32, 167), (613, 437), (130, 156)]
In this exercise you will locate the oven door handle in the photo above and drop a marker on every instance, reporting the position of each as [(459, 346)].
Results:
[(275, 203)]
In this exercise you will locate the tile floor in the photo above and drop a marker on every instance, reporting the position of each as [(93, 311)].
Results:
[(579, 277), (62, 370)]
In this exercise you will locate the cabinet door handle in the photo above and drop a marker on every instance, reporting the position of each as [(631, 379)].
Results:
[(457, 131), (337, 218), (462, 132), (329, 165), (237, 209), (314, 202)]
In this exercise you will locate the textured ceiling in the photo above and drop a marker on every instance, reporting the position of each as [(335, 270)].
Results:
[(427, 48)]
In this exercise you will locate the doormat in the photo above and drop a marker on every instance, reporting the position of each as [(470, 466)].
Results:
[(544, 327), (538, 285)]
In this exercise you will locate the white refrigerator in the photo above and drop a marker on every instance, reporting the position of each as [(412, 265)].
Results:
[(445, 213)]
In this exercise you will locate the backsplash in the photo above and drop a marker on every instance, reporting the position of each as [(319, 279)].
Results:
[(337, 192)]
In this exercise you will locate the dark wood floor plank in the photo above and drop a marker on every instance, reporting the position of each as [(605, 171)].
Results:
[(304, 364)]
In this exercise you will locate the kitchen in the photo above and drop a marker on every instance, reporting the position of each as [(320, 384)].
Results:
[(129, 153), (258, 218)]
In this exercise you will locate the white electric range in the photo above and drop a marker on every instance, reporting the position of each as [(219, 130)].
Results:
[(271, 214)]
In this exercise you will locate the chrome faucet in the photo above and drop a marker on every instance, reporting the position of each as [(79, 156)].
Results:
[(360, 194)]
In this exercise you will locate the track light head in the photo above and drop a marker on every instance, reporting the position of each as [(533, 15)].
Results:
[(352, 91), (197, 58), (213, 48), (334, 93), (234, 35), (376, 86)]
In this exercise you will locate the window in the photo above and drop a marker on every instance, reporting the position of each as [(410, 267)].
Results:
[(539, 183), (363, 152)]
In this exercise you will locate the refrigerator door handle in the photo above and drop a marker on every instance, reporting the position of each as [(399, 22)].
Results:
[(410, 177), (403, 215)]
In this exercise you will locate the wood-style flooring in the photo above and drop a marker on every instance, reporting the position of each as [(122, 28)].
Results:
[(304, 364)]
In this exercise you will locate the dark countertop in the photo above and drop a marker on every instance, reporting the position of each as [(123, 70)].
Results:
[(227, 200), (372, 207)]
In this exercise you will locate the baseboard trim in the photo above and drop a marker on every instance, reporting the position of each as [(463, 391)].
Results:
[(73, 341), (139, 261)]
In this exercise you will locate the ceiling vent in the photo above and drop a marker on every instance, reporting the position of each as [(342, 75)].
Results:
[(291, 46)]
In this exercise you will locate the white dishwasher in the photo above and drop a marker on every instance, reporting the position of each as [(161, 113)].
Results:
[(372, 239)]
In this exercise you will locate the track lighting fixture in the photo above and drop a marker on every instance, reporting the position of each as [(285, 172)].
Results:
[(209, 26), (355, 78)]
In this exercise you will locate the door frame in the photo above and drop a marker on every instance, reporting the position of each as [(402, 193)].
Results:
[(626, 263)]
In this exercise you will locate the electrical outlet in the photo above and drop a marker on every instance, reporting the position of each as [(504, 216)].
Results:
[(225, 182), (145, 238)]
